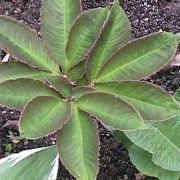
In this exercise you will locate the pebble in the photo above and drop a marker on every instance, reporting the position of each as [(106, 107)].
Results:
[(3, 112)]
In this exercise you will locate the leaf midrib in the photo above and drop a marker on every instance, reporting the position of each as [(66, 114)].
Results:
[(27, 52), (135, 99), (130, 62), (79, 124), (98, 67), (168, 140), (147, 102), (52, 111)]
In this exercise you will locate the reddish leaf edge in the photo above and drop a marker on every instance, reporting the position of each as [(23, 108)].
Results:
[(54, 131), (98, 146), (40, 82), (96, 42), (53, 87), (46, 44), (35, 34), (84, 72), (115, 96), (141, 38), (98, 35), (142, 82)]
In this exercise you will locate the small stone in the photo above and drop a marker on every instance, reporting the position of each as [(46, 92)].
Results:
[(15, 141), (146, 19), (4, 112), (176, 61), (17, 10)]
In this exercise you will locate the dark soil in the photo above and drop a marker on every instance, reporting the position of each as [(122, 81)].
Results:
[(146, 16)]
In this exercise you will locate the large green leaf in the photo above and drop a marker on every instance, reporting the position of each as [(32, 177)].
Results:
[(151, 101), (77, 71), (162, 141), (36, 164), (143, 162), (111, 110), (139, 58), (77, 144), (57, 18), (15, 93), (116, 33), (83, 34), (42, 116), (15, 70), (23, 43), (61, 85)]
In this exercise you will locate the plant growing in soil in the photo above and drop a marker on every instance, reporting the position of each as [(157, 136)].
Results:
[(84, 69)]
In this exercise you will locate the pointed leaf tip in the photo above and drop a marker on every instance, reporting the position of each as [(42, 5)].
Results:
[(83, 34), (116, 32), (148, 55), (24, 44)]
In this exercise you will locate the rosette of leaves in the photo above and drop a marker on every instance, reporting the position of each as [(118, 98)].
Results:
[(84, 66)]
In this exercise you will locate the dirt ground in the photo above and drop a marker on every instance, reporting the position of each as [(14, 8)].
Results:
[(146, 16)]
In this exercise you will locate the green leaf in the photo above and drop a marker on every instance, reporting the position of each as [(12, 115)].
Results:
[(79, 92), (24, 44), (42, 116), (16, 93), (177, 96), (151, 101), (111, 110), (120, 136), (82, 82), (143, 162), (77, 144), (83, 34), (162, 141), (77, 71), (116, 33), (139, 58), (16, 70), (61, 85), (57, 18), (41, 163), (9, 147)]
